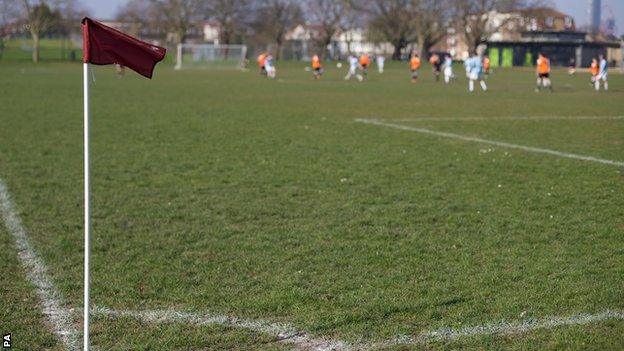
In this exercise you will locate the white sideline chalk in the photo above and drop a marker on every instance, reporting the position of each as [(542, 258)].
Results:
[(512, 118), (302, 341), (492, 142), (502, 328), (59, 318), (299, 340)]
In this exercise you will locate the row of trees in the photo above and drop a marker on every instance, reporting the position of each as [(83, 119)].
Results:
[(421, 23), (399, 22)]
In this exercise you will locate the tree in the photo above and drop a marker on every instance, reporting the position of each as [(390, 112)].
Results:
[(475, 18), (429, 19), (39, 18), (393, 21), (232, 16), (178, 15), (329, 16), (275, 18)]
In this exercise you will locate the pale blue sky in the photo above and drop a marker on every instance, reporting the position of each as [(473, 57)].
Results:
[(107, 9)]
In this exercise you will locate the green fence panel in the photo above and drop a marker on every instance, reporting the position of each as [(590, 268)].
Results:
[(494, 57), (528, 59), (507, 57)]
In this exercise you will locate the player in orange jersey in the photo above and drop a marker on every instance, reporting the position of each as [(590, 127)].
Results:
[(594, 70), (414, 66), (262, 62), (317, 68), (543, 73), (486, 65), (364, 62)]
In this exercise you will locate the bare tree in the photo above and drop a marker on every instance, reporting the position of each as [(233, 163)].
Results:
[(430, 17), (393, 21), (178, 15), (329, 16), (349, 22), (475, 18), (8, 11), (275, 17), (232, 16), (40, 17)]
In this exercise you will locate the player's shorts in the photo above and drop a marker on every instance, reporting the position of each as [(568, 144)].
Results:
[(318, 71), (602, 76), (437, 67), (448, 71), (414, 73), (364, 68), (474, 76), (544, 75)]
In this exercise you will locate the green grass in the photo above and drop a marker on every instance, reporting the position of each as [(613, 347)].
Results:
[(20, 50), (220, 191), (20, 311)]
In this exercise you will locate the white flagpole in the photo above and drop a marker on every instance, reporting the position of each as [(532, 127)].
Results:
[(87, 209)]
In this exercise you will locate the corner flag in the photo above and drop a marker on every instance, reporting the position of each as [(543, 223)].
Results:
[(103, 45)]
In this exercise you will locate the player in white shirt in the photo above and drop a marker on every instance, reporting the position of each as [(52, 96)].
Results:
[(353, 66), (448, 69), (380, 63), (269, 67), (474, 70), (603, 73)]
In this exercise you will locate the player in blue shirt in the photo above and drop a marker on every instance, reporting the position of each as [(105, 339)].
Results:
[(603, 66), (474, 72)]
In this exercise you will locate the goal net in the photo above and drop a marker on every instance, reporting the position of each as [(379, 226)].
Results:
[(210, 56)]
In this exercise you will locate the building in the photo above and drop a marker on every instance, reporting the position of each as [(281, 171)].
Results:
[(561, 47), (595, 8)]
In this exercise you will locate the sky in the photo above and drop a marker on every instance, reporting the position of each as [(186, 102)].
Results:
[(577, 8)]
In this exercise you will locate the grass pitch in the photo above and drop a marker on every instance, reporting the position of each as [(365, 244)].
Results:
[(224, 192)]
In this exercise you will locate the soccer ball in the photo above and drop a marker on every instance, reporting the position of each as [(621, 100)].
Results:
[(339, 65)]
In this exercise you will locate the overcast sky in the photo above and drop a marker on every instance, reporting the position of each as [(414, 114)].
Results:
[(577, 8)]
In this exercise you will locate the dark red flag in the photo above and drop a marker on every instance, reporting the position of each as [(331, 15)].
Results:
[(104, 45)]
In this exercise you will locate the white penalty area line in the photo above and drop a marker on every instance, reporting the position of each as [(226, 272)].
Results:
[(57, 316), (302, 341), (511, 118), (491, 142)]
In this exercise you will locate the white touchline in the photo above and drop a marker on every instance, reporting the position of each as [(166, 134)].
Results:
[(492, 142), (59, 317), (299, 340), (502, 328), (302, 341), (511, 118)]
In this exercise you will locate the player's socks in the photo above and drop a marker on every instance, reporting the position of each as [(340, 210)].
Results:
[(471, 85), (597, 85), (483, 86), (606, 86)]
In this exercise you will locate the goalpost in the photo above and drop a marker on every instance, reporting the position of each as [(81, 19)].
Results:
[(210, 56)]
